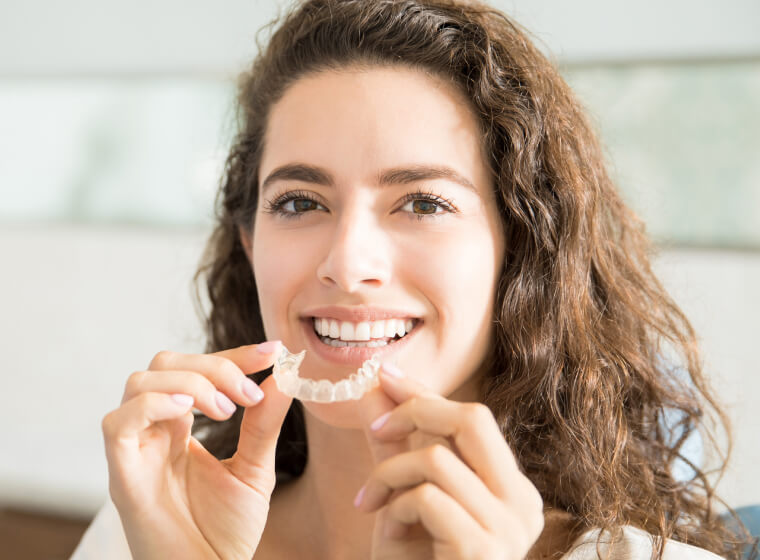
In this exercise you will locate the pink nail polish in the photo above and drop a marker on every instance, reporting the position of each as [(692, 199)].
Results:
[(224, 403), (268, 347), (392, 370), (359, 496), (251, 390), (380, 422)]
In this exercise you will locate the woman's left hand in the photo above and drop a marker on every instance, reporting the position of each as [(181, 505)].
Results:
[(445, 481)]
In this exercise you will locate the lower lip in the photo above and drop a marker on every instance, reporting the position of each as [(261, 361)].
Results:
[(355, 356)]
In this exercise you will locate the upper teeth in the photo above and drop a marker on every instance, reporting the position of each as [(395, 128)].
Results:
[(345, 330)]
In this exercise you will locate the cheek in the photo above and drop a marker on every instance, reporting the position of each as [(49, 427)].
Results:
[(457, 269), (276, 271)]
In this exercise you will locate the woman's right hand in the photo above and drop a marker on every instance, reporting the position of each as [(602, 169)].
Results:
[(175, 499)]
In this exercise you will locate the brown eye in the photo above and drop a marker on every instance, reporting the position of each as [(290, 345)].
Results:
[(424, 206), (303, 204)]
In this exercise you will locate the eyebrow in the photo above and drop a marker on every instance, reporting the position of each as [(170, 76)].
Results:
[(395, 176)]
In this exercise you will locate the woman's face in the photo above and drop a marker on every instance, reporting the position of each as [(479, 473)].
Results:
[(359, 243)]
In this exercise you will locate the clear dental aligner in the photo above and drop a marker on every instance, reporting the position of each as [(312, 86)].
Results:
[(285, 373)]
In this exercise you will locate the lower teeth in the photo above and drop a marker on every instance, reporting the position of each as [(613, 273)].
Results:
[(342, 344)]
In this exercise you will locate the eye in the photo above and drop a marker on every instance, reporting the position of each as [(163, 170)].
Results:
[(301, 201), (428, 203), (425, 202)]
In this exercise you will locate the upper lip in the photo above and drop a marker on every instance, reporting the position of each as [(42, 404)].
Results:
[(358, 314)]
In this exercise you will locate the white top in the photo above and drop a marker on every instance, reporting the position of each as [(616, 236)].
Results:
[(105, 538)]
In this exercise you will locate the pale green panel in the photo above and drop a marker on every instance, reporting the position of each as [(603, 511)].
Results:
[(683, 141), (146, 152), (684, 145)]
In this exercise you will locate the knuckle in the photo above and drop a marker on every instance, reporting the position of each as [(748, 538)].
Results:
[(109, 426), (436, 456), (135, 381), (203, 390), (479, 413), (162, 360), (523, 539), (539, 503), (534, 518), (225, 367), (426, 491), (538, 524), (144, 401), (413, 403), (204, 385)]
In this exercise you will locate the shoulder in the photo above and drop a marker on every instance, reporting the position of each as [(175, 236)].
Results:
[(104, 538), (632, 544)]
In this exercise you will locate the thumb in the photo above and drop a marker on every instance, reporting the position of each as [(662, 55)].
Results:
[(374, 404), (253, 462)]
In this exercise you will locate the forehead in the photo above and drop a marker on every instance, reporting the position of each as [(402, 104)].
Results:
[(355, 122)]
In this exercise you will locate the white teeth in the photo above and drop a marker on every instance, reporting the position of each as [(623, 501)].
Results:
[(364, 331), (378, 330), (346, 331)]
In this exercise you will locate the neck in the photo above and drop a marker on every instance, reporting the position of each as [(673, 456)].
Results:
[(320, 503)]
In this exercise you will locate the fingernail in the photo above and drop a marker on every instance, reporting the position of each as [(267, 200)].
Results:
[(392, 370), (251, 390), (359, 496), (224, 403), (183, 400), (268, 347), (380, 422)]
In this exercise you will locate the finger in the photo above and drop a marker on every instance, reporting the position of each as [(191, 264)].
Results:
[(122, 427), (438, 465), (180, 432), (253, 357), (253, 461), (400, 390), (210, 401), (400, 387), (226, 369), (373, 404), (446, 521), (249, 358), (472, 428)]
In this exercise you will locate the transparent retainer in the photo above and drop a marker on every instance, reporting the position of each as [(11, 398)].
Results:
[(285, 373)]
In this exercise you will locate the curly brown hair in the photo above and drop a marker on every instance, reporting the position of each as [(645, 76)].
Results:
[(576, 379)]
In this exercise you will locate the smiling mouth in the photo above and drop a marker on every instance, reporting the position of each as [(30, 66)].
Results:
[(373, 343)]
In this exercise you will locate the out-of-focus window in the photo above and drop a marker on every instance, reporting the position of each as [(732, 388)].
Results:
[(683, 140), (147, 151)]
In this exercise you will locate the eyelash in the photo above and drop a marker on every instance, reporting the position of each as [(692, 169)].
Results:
[(275, 206)]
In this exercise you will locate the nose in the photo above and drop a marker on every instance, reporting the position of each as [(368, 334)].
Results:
[(357, 254)]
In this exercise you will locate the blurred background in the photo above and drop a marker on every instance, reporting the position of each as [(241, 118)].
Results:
[(115, 119)]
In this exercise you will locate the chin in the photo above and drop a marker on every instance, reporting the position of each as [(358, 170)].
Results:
[(343, 415)]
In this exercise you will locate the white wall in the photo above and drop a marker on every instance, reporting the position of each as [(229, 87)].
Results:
[(84, 307), (40, 37)]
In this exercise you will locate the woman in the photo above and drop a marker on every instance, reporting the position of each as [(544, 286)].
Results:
[(419, 162)]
